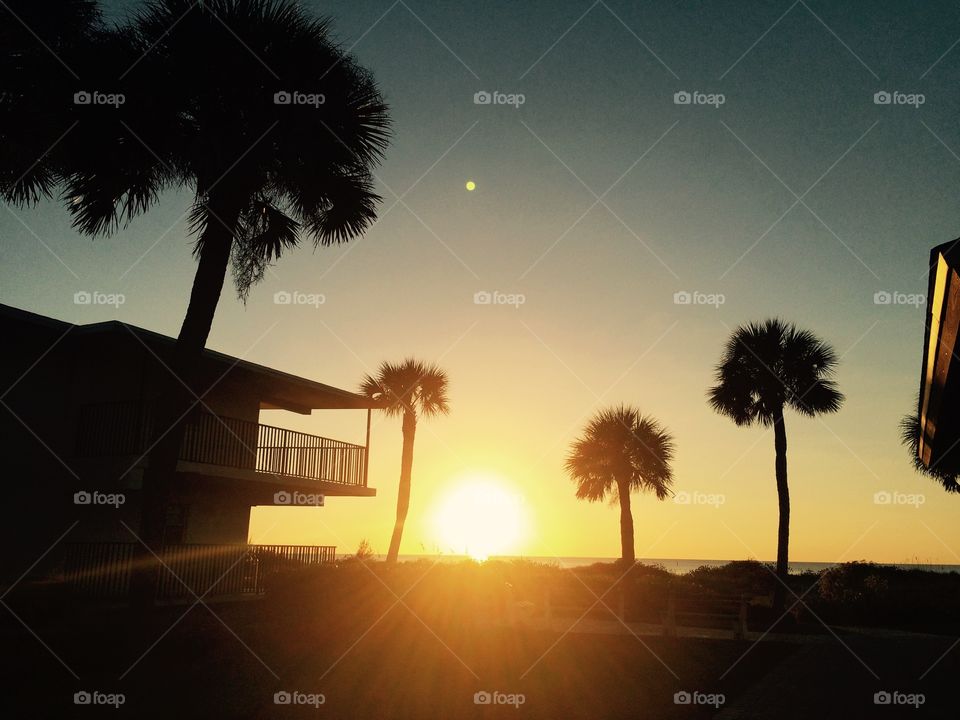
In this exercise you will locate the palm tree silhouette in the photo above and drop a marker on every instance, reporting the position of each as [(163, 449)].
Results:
[(252, 108), (620, 451), (42, 69), (410, 389), (765, 368), (944, 472)]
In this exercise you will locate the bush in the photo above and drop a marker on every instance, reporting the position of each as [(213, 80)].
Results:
[(865, 593), (747, 577)]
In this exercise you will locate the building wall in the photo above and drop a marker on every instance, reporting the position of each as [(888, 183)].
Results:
[(42, 472), (54, 374)]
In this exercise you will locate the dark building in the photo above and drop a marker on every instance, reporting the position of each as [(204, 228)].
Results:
[(939, 404), (76, 429)]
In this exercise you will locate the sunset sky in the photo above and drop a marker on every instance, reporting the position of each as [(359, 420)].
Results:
[(598, 199)]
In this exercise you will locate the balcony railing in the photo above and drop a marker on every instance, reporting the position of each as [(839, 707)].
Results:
[(125, 428), (103, 570)]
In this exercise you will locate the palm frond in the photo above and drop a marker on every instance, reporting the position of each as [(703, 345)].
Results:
[(621, 446), (769, 365), (408, 386), (263, 233), (347, 209), (949, 478)]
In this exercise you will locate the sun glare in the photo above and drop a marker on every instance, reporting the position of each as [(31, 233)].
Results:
[(479, 517)]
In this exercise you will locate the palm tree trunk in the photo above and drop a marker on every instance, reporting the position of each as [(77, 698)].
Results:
[(403, 491), (627, 554), (783, 496), (175, 400)]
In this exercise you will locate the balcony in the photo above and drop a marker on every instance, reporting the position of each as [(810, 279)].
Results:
[(125, 429)]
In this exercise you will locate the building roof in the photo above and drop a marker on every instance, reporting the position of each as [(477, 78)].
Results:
[(280, 390)]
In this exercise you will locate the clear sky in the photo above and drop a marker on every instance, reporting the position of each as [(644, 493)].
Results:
[(598, 199)]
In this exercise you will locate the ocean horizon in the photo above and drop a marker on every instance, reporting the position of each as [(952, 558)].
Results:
[(678, 566)]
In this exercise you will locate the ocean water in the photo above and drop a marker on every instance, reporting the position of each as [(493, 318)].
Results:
[(679, 566)]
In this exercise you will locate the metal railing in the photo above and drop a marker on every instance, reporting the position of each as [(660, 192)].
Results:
[(124, 428)]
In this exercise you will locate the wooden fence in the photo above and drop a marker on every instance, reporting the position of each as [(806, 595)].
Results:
[(624, 603), (103, 570)]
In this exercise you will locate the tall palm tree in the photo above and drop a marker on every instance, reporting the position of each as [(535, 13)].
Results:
[(410, 389), (620, 451), (249, 106), (766, 368), (945, 472)]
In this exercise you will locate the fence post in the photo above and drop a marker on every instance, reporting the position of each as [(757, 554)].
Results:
[(740, 633), (670, 621)]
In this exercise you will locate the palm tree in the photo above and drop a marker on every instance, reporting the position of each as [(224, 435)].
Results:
[(410, 389), (944, 472), (42, 69), (620, 451), (250, 107), (765, 368)]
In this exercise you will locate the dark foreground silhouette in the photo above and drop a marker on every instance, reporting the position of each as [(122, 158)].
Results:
[(420, 640)]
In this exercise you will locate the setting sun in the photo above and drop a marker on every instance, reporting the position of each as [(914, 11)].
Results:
[(479, 516)]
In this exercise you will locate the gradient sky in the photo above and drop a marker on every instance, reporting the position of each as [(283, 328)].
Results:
[(703, 199)]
